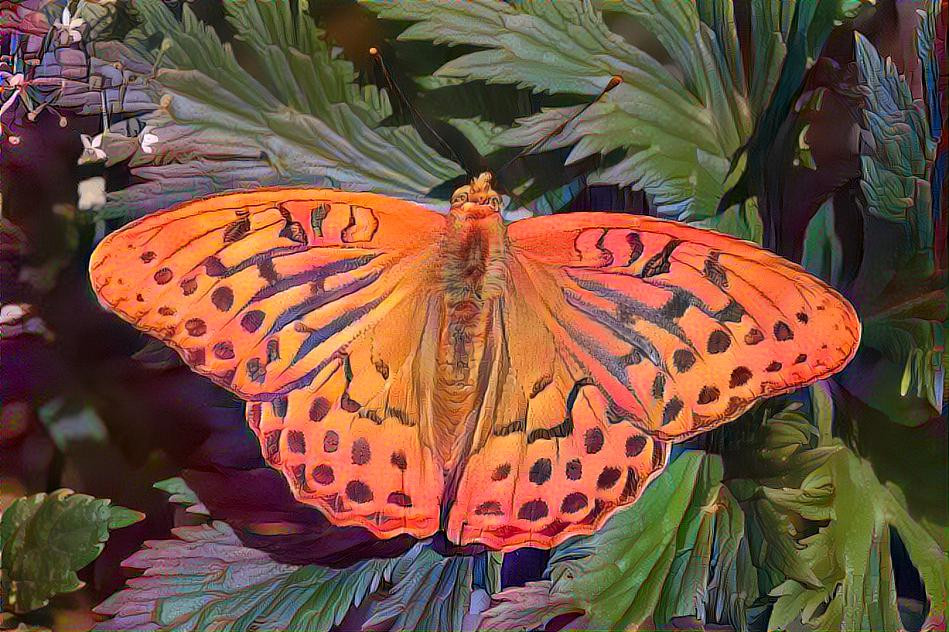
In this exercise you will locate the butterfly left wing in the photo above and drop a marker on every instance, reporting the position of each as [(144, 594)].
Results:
[(683, 328), (308, 303)]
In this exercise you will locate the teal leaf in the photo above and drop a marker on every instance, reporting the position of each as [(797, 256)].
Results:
[(46, 538), (431, 592), (896, 149), (207, 579)]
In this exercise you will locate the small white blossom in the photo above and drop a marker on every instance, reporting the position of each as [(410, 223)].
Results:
[(17, 84), (70, 25), (91, 193), (91, 149), (12, 313), (147, 139)]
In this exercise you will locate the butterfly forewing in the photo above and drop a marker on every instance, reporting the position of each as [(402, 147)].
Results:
[(682, 328)]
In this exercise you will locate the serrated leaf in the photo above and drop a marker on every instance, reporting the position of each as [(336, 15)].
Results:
[(480, 133), (221, 128), (851, 557), (46, 538), (431, 593), (678, 128), (180, 493), (207, 579), (566, 47)]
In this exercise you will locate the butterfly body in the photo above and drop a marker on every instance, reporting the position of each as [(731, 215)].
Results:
[(511, 384), (473, 276)]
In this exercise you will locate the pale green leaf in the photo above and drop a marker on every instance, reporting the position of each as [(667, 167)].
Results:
[(650, 562), (46, 538), (430, 593)]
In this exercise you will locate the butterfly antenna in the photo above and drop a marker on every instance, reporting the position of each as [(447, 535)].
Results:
[(416, 115), (615, 80)]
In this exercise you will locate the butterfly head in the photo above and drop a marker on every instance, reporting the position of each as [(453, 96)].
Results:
[(476, 200)]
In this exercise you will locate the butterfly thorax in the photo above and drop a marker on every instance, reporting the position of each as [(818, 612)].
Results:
[(472, 275)]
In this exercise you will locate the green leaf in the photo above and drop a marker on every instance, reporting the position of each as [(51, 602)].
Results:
[(207, 579), (480, 133), (46, 538), (823, 249), (431, 593), (70, 425), (303, 119), (181, 494), (676, 124), (677, 148), (851, 555), (650, 562), (741, 220)]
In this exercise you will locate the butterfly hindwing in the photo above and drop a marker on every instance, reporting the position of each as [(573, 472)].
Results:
[(682, 328), (549, 459), (351, 444)]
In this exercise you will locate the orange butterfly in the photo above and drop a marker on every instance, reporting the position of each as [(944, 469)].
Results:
[(514, 385)]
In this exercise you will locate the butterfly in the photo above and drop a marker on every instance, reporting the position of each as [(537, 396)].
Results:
[(510, 384)]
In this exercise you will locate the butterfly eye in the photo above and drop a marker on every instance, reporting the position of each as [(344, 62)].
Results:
[(495, 203), (459, 199)]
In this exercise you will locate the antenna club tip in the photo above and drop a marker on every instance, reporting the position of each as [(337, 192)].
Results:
[(373, 51), (615, 80)]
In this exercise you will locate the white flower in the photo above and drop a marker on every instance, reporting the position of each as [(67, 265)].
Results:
[(14, 81), (18, 84), (92, 149), (147, 139), (70, 25), (12, 313), (91, 193)]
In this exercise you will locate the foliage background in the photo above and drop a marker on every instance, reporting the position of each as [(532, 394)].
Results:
[(812, 128)]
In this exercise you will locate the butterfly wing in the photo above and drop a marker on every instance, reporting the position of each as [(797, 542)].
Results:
[(614, 335), (683, 328), (306, 303)]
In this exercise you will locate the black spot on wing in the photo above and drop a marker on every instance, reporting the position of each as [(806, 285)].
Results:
[(660, 262)]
